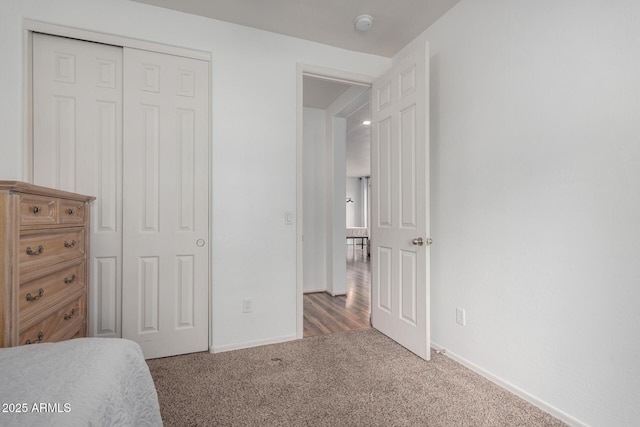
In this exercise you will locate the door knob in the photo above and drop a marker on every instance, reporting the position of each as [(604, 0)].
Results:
[(419, 241), (200, 243)]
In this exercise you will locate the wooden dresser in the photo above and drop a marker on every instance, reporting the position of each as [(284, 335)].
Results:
[(44, 264)]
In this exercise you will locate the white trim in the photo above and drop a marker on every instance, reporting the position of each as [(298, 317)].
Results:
[(550, 409), (336, 80), (330, 74), (337, 294), (299, 203), (315, 291), (27, 106), (333, 294), (249, 344), (210, 196), (112, 39)]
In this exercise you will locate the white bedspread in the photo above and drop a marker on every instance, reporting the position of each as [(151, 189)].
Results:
[(81, 382), (357, 232)]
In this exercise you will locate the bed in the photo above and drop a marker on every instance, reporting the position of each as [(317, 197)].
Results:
[(80, 382), (361, 233)]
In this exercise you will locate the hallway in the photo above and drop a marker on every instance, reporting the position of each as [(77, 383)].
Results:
[(324, 314)]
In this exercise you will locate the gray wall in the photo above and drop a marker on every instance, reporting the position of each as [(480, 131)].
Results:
[(535, 174)]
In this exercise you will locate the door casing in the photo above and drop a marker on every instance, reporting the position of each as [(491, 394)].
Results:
[(327, 74)]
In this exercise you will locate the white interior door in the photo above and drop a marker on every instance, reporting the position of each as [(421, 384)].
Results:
[(400, 203), (77, 146), (166, 203)]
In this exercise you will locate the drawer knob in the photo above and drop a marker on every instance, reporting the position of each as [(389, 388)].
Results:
[(37, 297), (71, 211), (37, 209), (73, 279), (40, 338), (70, 315), (69, 245), (38, 252)]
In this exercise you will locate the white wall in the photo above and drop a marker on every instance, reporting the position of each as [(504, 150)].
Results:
[(535, 145), (253, 143), (314, 200), (336, 195), (354, 210), (336, 186)]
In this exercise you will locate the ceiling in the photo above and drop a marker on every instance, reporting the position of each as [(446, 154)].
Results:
[(331, 22), (320, 93), (358, 151)]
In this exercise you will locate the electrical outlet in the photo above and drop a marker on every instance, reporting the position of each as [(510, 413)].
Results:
[(461, 316), (247, 305)]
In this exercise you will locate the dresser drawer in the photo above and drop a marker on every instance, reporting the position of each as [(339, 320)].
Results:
[(71, 212), (38, 295), (62, 324), (37, 210), (46, 248)]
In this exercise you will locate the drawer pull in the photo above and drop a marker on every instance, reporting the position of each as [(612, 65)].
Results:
[(37, 297), (37, 210), (40, 338), (71, 211), (38, 252), (69, 245), (69, 316), (73, 279)]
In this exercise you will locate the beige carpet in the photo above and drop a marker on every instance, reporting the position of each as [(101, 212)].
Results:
[(358, 378)]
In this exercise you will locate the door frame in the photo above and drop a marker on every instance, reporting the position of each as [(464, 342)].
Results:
[(330, 75), (31, 26)]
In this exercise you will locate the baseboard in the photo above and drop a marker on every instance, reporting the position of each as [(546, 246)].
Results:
[(315, 291), (249, 344), (552, 410), (324, 290)]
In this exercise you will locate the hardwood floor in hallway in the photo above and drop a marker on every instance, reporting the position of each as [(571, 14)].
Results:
[(325, 314)]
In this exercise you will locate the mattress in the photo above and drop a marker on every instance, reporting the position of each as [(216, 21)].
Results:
[(80, 382)]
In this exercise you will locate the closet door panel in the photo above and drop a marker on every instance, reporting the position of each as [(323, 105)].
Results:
[(77, 132), (166, 203)]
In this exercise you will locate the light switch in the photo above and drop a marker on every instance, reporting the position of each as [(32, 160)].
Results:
[(289, 218)]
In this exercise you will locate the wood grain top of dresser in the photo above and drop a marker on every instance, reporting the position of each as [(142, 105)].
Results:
[(44, 264)]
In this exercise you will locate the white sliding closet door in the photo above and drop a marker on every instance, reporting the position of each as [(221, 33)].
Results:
[(150, 221), (77, 146), (165, 272)]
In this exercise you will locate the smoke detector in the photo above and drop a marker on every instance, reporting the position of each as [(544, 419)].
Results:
[(363, 22)]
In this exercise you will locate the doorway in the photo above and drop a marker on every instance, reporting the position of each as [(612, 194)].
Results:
[(335, 154), (399, 223)]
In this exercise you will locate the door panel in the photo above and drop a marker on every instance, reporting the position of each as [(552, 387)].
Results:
[(165, 297), (77, 146), (400, 201)]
